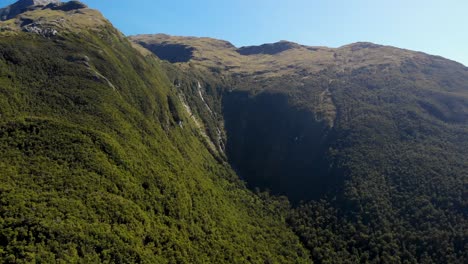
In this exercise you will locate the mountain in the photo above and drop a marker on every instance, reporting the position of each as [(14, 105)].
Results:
[(100, 162), (164, 149), (22, 6), (369, 142)]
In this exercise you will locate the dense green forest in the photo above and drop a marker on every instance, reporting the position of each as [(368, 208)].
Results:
[(370, 146), (99, 161), (209, 153), (404, 149)]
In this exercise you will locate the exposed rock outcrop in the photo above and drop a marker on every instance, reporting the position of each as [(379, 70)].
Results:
[(38, 29)]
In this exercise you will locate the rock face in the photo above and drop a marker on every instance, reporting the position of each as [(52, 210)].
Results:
[(23, 5), (37, 29)]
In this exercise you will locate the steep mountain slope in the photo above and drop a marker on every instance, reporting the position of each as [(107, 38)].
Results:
[(101, 162), (373, 139)]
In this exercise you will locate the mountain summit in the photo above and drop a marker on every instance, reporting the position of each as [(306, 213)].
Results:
[(37, 2), (23, 5)]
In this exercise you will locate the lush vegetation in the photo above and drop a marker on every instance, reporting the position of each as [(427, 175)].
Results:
[(109, 155), (403, 147), (99, 162), (375, 144)]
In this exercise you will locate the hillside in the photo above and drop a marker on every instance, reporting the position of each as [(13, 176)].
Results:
[(100, 162), (369, 142)]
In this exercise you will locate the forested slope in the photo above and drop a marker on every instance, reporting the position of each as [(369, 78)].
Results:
[(100, 161), (369, 142)]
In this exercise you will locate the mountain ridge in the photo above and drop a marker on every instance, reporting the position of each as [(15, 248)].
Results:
[(113, 154), (167, 38), (206, 52), (352, 134)]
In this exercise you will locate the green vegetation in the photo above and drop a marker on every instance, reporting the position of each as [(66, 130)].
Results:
[(100, 162), (109, 155), (403, 199), (372, 139)]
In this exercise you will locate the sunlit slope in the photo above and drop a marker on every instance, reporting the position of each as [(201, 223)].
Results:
[(373, 139), (100, 162)]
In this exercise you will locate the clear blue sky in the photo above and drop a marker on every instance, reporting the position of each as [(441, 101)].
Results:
[(437, 27)]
